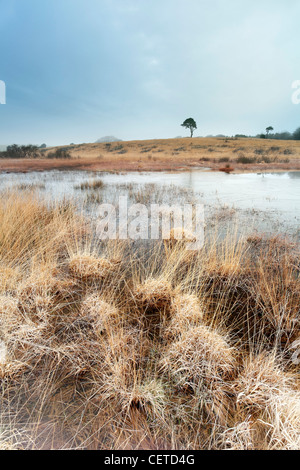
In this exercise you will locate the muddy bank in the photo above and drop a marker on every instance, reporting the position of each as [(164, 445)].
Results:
[(86, 164)]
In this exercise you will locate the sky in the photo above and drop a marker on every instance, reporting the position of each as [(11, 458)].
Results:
[(78, 70)]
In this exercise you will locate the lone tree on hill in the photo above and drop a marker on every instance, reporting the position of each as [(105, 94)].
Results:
[(190, 124), (269, 129)]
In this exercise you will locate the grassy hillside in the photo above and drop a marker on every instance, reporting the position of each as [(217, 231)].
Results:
[(169, 154), (183, 149)]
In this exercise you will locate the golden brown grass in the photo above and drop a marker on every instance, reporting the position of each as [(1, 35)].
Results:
[(184, 149), (242, 154), (104, 348)]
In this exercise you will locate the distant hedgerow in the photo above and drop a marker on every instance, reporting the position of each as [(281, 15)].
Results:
[(59, 153)]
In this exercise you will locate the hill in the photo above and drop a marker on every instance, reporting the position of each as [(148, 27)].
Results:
[(237, 154), (108, 138)]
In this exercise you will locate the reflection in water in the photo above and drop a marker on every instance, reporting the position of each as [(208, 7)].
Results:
[(294, 174), (276, 195)]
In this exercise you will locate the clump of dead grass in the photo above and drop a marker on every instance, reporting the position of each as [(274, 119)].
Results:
[(107, 348), (186, 312), (201, 362), (267, 407), (88, 266)]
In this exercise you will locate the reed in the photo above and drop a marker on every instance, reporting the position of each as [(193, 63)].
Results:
[(116, 346)]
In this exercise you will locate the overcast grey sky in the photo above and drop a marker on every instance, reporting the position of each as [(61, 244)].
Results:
[(77, 70)]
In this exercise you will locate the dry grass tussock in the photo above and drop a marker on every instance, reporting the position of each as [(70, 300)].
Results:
[(103, 348)]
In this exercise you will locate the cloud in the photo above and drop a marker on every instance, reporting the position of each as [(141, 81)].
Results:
[(142, 67)]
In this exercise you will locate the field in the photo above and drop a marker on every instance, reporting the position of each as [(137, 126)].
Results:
[(121, 345), (170, 154)]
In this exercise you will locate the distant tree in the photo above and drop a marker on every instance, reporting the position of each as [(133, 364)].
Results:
[(190, 124), (43, 146), (296, 134), (23, 151), (269, 129), (282, 136)]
